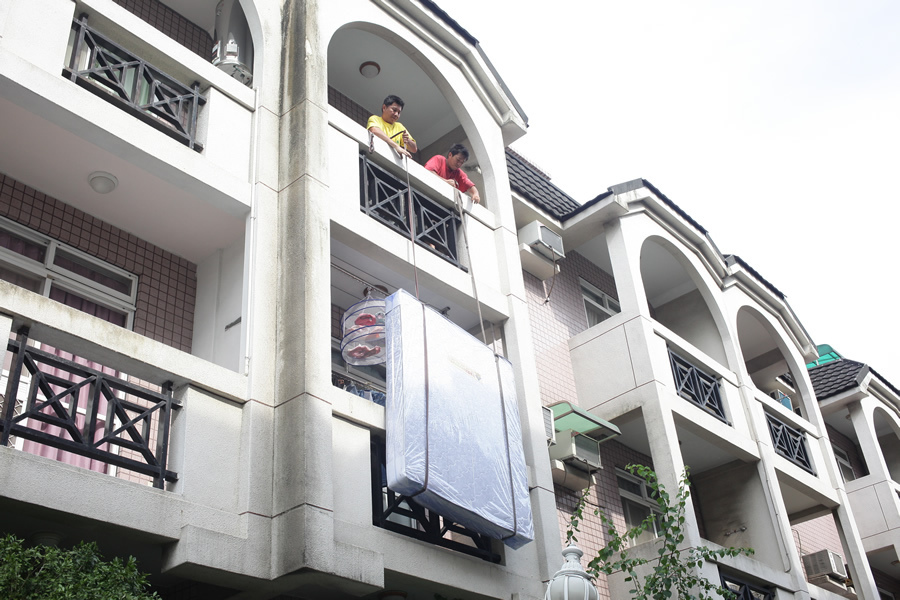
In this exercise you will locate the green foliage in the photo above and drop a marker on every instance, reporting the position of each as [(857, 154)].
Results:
[(48, 573), (673, 570)]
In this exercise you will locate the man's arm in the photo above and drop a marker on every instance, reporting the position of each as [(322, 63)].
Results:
[(377, 132), (473, 192)]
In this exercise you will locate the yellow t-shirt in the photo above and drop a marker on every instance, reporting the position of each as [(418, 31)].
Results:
[(392, 130)]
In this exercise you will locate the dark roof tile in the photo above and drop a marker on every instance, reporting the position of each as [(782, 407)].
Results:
[(534, 186), (835, 377)]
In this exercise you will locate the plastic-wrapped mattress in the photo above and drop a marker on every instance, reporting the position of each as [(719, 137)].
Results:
[(454, 441)]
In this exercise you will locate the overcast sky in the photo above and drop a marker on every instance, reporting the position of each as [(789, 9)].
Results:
[(774, 124)]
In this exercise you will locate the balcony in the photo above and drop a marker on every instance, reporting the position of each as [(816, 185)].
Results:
[(697, 386), (124, 79), (386, 198), (56, 402), (790, 443)]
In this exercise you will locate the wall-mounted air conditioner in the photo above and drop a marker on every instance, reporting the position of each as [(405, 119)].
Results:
[(576, 450), (542, 240), (549, 428), (824, 562)]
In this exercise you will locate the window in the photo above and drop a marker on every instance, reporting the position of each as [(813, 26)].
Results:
[(598, 306), (45, 266), (638, 504), (844, 465), (745, 591)]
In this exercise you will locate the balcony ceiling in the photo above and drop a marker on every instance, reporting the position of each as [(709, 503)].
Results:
[(155, 207)]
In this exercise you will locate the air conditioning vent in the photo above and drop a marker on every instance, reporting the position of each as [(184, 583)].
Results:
[(542, 240), (824, 562), (576, 450), (549, 428)]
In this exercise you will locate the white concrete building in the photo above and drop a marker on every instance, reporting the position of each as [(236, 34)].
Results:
[(193, 229), (700, 363)]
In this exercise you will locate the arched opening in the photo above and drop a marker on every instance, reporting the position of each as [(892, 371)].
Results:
[(366, 63), (675, 299), (888, 441), (766, 361)]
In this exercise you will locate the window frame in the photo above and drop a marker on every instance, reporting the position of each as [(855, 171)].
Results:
[(599, 300), (842, 457), (643, 499), (50, 275)]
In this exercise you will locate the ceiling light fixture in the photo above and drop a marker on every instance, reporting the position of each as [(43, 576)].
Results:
[(102, 182), (369, 69)]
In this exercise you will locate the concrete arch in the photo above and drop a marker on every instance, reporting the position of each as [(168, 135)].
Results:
[(767, 357), (435, 111), (679, 298), (887, 432)]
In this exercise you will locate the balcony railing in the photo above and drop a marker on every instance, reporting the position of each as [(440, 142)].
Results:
[(62, 392), (697, 386), (134, 85), (402, 515), (384, 197), (790, 443)]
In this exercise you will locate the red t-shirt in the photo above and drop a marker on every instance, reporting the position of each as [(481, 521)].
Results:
[(438, 164)]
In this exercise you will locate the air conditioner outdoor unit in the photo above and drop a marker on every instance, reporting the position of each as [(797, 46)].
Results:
[(824, 562), (576, 450), (542, 240), (549, 427)]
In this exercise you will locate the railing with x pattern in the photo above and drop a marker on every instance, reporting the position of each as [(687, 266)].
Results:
[(134, 85), (62, 392), (385, 198)]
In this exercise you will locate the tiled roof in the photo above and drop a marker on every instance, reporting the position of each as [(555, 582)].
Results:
[(534, 186), (835, 377), (755, 274), (841, 375), (449, 21)]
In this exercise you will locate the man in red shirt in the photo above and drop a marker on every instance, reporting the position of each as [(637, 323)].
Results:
[(449, 169)]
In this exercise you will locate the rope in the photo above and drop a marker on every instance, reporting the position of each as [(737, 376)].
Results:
[(552, 277), (412, 224), (427, 404), (458, 198)]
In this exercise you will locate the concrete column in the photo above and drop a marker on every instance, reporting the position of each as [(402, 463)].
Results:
[(864, 429), (302, 450), (626, 267), (857, 562)]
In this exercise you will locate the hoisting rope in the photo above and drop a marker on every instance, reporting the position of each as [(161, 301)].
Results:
[(462, 217)]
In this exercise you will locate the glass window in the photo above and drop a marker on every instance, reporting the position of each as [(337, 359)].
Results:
[(598, 306), (638, 504), (45, 266), (844, 465)]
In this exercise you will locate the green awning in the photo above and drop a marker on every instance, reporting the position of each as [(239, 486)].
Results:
[(566, 416)]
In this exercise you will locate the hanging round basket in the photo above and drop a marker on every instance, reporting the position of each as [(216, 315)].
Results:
[(363, 333)]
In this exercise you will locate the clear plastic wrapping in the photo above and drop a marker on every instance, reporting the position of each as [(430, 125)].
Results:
[(454, 440)]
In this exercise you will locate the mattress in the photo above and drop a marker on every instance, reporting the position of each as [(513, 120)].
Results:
[(454, 439)]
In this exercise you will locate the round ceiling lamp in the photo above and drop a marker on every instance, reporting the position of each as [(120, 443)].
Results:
[(369, 69), (102, 182)]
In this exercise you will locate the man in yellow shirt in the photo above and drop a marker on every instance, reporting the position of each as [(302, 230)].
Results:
[(389, 129)]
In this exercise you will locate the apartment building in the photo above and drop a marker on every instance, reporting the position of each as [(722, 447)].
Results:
[(697, 362), (178, 229)]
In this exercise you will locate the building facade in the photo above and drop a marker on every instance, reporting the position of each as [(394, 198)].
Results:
[(182, 230)]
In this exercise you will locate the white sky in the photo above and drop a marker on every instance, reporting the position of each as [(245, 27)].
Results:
[(774, 123)]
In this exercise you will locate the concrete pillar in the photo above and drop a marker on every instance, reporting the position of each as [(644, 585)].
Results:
[(302, 450), (864, 429), (856, 559), (626, 267)]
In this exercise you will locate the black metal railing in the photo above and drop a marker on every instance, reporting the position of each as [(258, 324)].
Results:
[(134, 85), (61, 392), (699, 387), (384, 197), (790, 443), (402, 515)]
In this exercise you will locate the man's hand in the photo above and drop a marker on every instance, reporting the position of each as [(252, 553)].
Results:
[(475, 197), (451, 182), (401, 150)]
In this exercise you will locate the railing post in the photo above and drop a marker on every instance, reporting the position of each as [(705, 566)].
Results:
[(12, 386), (162, 439)]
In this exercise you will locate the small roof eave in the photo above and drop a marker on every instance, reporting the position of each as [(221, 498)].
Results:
[(449, 38)]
